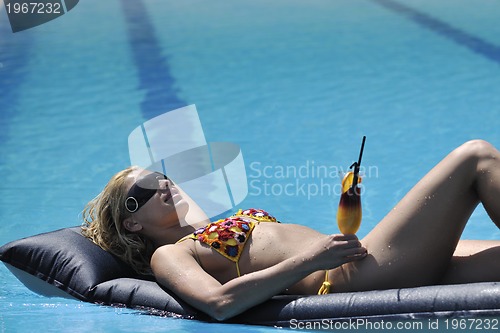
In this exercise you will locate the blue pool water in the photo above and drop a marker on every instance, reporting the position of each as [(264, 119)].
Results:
[(295, 83)]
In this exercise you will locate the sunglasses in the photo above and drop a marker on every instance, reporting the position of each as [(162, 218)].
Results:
[(142, 190)]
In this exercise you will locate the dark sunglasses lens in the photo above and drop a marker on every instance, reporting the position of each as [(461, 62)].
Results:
[(151, 181), (143, 190)]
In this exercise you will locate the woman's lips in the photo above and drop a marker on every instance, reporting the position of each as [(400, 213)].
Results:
[(170, 193)]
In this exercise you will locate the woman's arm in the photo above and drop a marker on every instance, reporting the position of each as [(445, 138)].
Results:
[(176, 268)]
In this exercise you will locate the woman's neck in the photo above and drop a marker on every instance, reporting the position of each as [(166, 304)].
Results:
[(174, 233)]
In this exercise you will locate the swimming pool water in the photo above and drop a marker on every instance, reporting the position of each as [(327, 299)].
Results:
[(296, 84)]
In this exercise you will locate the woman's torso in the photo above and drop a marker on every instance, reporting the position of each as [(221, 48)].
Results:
[(269, 244)]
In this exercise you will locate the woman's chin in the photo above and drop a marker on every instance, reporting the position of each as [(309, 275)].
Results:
[(181, 208)]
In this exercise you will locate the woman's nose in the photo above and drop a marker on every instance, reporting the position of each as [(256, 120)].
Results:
[(165, 184)]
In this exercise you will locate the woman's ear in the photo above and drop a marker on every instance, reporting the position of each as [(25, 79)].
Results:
[(131, 225)]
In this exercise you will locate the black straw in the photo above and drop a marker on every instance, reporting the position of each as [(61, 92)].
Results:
[(358, 163)]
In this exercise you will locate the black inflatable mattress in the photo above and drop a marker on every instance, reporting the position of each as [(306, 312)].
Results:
[(64, 263)]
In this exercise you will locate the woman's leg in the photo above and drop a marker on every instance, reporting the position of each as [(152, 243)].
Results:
[(474, 261), (413, 245)]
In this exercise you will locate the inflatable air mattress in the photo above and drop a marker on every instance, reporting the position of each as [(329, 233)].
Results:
[(64, 263)]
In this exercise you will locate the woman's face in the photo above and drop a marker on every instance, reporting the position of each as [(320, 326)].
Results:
[(164, 208)]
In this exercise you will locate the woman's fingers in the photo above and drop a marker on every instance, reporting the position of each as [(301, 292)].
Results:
[(344, 236), (355, 253), (345, 241), (341, 249)]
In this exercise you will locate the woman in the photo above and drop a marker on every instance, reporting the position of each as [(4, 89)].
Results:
[(416, 244)]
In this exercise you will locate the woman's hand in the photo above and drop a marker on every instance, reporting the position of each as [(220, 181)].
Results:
[(333, 251)]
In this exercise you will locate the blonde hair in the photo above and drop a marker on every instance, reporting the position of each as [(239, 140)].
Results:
[(103, 223)]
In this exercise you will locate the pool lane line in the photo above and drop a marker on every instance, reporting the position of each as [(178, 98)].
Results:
[(152, 66), (473, 43), (15, 51)]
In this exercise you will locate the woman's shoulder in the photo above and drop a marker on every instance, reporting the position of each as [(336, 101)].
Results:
[(172, 251)]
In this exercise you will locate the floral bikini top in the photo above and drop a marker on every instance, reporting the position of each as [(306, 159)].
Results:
[(228, 236)]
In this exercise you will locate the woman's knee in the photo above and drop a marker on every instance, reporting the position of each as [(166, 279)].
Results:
[(479, 150)]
